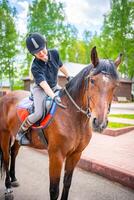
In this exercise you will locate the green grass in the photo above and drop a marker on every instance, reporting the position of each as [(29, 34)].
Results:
[(117, 125), (127, 116)]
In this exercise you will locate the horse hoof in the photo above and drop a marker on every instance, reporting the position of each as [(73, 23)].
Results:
[(9, 194), (9, 197), (15, 184)]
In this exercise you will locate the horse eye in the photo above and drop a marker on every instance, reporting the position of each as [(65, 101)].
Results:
[(92, 81)]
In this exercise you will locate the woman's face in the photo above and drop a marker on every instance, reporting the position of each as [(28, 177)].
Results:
[(42, 55)]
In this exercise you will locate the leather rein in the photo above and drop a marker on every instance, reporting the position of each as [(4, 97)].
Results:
[(86, 112)]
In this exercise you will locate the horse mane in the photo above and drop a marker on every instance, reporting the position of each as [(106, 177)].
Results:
[(75, 84), (104, 66), (108, 67)]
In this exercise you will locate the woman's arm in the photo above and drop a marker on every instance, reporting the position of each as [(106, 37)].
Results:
[(64, 71), (47, 89)]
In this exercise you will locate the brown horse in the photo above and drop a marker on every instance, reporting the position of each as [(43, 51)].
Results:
[(88, 93)]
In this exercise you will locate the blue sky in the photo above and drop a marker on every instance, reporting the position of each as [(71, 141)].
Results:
[(84, 14)]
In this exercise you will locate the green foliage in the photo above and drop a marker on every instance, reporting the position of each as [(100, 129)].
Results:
[(48, 18), (76, 50), (66, 45), (87, 35), (25, 65), (18, 85), (117, 35), (8, 38)]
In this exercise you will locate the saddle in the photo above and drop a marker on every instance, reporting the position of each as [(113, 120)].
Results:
[(26, 107)]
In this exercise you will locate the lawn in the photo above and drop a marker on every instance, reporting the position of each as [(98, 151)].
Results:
[(117, 125), (127, 116)]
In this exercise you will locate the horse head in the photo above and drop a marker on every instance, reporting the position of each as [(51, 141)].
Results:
[(103, 79)]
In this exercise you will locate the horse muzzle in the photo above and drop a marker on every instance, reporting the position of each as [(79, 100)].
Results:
[(99, 126)]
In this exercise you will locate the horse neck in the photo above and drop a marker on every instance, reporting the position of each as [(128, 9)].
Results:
[(79, 94)]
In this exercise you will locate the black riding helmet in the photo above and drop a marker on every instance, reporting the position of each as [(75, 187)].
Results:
[(35, 42)]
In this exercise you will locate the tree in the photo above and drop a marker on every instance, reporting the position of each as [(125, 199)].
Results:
[(48, 18), (87, 35), (77, 50), (118, 33), (67, 44), (8, 38)]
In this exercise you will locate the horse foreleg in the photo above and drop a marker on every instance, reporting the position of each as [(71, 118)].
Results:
[(14, 152), (55, 166), (70, 164)]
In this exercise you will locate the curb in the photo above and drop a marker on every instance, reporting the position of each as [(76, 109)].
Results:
[(118, 131), (111, 172)]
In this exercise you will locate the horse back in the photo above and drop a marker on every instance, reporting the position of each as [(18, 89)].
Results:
[(8, 108)]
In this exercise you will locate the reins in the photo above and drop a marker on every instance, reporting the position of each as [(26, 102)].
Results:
[(85, 112)]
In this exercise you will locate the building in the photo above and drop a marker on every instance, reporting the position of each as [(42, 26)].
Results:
[(124, 90), (73, 69), (122, 93)]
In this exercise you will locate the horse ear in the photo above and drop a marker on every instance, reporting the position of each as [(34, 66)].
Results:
[(94, 57), (118, 60)]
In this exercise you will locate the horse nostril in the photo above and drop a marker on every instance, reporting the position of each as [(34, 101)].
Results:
[(104, 124), (95, 121), (97, 126)]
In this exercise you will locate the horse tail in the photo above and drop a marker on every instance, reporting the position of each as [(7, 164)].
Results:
[(1, 163)]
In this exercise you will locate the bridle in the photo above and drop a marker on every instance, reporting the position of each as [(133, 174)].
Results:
[(86, 112)]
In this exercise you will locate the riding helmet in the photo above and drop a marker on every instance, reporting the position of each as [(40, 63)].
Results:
[(35, 42)]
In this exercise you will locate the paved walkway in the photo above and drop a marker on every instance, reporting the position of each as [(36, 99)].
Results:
[(122, 108), (117, 151), (127, 106), (112, 157), (32, 170)]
